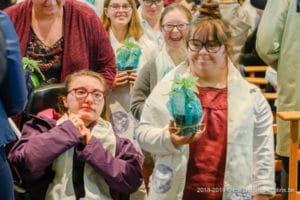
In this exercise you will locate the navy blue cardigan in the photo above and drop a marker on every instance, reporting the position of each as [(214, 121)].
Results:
[(13, 92)]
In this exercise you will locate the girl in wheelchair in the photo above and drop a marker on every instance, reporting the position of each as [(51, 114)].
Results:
[(78, 155)]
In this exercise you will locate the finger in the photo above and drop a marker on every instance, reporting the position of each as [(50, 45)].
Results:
[(122, 74), (131, 81), (200, 132), (197, 135), (122, 82), (121, 79), (187, 138), (132, 76), (172, 129)]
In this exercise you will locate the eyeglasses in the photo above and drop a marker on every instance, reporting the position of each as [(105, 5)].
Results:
[(212, 46), (82, 93), (170, 27), (151, 2), (117, 7)]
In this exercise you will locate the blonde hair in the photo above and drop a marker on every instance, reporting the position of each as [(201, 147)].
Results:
[(176, 6), (135, 28)]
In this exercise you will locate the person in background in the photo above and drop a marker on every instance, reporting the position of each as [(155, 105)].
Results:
[(149, 13), (239, 21), (78, 156), (249, 56), (64, 36), (233, 157), (277, 44), (175, 21), (122, 23), (13, 97)]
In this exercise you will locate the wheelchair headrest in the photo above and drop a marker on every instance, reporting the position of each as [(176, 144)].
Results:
[(44, 97)]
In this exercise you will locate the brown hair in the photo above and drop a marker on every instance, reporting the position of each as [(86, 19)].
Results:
[(71, 77), (175, 6), (135, 28), (209, 8), (209, 23)]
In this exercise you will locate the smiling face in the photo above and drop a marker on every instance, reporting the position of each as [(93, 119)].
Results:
[(207, 48), (119, 12), (206, 62), (88, 108), (48, 7), (175, 37)]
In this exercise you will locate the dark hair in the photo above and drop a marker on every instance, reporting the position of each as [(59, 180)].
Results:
[(209, 8), (74, 75), (260, 4)]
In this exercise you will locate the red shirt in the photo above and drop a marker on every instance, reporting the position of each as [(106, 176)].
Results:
[(206, 166)]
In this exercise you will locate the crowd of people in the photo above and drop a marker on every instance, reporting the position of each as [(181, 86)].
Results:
[(118, 60)]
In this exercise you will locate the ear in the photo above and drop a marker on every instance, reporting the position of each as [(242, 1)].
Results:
[(65, 101)]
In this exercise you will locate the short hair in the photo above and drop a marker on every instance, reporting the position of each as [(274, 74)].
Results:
[(135, 28)]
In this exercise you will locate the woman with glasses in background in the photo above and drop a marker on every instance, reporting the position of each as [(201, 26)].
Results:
[(77, 156), (121, 21), (149, 13), (233, 157), (174, 23)]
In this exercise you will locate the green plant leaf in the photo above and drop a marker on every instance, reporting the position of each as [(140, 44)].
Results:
[(34, 66), (35, 80)]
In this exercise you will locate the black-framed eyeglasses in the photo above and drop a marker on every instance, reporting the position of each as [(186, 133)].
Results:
[(212, 46), (151, 2), (116, 7), (81, 93), (170, 27)]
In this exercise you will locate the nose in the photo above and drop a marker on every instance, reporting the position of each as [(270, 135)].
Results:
[(203, 50), (175, 29), (121, 9), (89, 97), (153, 5)]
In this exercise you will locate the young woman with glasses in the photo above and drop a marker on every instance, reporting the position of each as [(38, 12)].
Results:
[(174, 23), (233, 157), (77, 156), (122, 23)]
